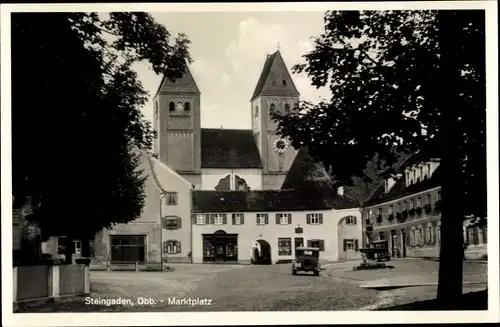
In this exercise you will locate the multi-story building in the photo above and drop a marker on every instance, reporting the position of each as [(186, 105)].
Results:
[(405, 211)]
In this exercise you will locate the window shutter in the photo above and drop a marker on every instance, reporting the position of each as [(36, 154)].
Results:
[(242, 219), (178, 245), (179, 222), (194, 219), (277, 219), (322, 245), (308, 219), (266, 219), (233, 219), (165, 248), (212, 219), (355, 220), (289, 219), (309, 243), (224, 219), (356, 245), (320, 218), (345, 245)]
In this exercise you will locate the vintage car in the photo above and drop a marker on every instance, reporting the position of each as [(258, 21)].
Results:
[(376, 250), (306, 260)]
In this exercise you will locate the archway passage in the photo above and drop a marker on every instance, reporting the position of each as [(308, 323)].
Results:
[(263, 257)]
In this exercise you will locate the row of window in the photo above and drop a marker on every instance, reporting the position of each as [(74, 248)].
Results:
[(420, 237), (272, 109), (261, 219), (476, 235), (404, 205)]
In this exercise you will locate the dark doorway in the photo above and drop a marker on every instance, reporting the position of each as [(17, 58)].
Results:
[(220, 247), (298, 242), (128, 248), (403, 242), (265, 253)]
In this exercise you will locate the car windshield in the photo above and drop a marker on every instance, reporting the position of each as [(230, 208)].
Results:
[(303, 252)]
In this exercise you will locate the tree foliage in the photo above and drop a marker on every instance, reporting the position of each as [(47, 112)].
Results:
[(382, 69), (76, 116), (402, 80)]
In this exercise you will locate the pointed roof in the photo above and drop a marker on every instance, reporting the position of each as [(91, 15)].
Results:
[(275, 78), (184, 84)]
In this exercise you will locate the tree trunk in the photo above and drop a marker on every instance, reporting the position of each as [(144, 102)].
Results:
[(452, 214)]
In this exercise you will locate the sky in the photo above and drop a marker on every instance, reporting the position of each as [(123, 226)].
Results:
[(229, 50)]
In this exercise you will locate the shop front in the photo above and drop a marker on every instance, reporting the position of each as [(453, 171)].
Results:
[(220, 247)]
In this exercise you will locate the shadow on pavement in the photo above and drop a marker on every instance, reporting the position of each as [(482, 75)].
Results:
[(470, 301)]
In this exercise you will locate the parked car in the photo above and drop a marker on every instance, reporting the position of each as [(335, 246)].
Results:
[(377, 250), (306, 260)]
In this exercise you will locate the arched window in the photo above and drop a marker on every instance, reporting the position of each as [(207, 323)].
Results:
[(187, 106), (272, 108), (422, 235), (171, 107), (430, 236), (412, 237), (287, 108)]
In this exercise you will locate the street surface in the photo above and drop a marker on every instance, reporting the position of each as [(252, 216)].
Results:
[(199, 287)]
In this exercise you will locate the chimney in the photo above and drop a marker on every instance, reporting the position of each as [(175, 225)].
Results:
[(340, 190)]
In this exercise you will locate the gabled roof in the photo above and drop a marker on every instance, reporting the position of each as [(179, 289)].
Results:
[(229, 148), (306, 172), (269, 200), (184, 84), (271, 79)]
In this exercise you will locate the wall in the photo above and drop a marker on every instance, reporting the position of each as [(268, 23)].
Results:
[(148, 224), (346, 231), (211, 176), (250, 232), (273, 181)]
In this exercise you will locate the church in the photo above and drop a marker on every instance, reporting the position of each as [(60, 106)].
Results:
[(226, 159), (226, 195)]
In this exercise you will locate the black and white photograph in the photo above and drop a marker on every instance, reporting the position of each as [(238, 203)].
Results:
[(238, 161)]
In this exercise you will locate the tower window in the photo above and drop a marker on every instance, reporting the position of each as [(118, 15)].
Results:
[(187, 106), (287, 108), (284, 82), (171, 107), (272, 108)]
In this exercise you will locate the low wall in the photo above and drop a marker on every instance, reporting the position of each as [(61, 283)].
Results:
[(34, 283)]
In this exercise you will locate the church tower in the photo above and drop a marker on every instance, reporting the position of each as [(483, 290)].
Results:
[(177, 123), (275, 91)]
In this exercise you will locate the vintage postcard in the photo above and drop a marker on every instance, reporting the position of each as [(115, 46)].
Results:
[(249, 163)]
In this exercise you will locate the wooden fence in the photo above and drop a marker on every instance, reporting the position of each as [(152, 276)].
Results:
[(48, 282)]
